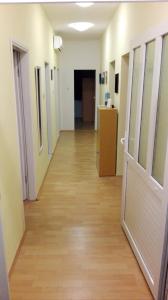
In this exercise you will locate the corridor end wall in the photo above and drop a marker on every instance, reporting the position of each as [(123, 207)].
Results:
[(76, 55)]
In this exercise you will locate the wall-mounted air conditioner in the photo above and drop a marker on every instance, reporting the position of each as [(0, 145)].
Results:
[(57, 42)]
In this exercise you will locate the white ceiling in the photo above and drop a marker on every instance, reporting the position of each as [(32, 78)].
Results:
[(61, 14)]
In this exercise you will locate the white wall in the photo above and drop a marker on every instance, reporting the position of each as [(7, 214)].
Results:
[(75, 55), (27, 24), (129, 21)]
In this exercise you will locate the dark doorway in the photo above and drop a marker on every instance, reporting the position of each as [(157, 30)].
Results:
[(84, 98)]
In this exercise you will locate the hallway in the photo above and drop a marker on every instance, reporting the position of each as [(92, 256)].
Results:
[(74, 247)]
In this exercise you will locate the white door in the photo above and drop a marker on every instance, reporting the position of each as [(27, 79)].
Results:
[(21, 121), (57, 98), (48, 108), (4, 289), (145, 183)]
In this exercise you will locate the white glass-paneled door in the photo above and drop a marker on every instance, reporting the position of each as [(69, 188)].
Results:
[(145, 183), (48, 109), (21, 122)]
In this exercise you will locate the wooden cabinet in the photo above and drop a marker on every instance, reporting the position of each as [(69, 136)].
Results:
[(106, 141)]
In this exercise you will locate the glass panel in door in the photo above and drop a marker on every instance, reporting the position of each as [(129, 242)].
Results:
[(146, 103), (161, 129), (134, 99)]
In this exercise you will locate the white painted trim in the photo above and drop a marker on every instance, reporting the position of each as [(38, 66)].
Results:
[(40, 147), (164, 264), (124, 184), (154, 101), (129, 94), (48, 107), (165, 181), (18, 46), (57, 98), (163, 275), (4, 287), (139, 102), (20, 121), (32, 195)]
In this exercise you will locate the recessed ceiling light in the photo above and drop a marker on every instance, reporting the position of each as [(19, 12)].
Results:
[(84, 4), (81, 26)]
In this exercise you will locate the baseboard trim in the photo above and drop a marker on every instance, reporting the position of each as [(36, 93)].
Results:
[(48, 167), (16, 255), (67, 130)]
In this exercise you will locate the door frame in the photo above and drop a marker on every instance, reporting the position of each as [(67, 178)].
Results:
[(57, 98), (48, 107), (96, 89), (163, 283), (4, 286), (161, 192), (32, 195), (123, 108), (111, 80)]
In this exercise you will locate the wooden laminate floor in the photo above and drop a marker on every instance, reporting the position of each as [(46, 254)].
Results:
[(74, 247)]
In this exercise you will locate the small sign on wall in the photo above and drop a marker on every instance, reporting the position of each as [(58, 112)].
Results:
[(99, 78), (103, 77)]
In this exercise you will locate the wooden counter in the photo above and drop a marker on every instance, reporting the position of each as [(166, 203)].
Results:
[(106, 141)]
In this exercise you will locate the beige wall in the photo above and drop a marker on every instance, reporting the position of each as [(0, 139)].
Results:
[(28, 25), (129, 21)]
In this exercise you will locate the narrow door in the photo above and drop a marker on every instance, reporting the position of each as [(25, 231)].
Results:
[(48, 108), (145, 189), (21, 121), (88, 97), (57, 98)]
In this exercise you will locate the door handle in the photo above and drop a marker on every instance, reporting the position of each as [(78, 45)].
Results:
[(122, 140)]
